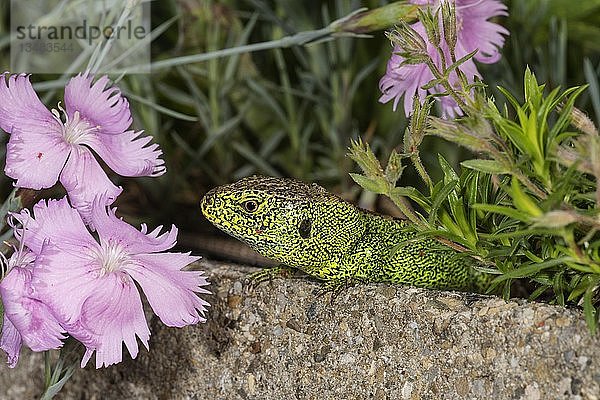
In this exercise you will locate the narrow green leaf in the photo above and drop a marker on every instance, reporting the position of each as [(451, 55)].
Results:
[(455, 201), (255, 159), (233, 61), (220, 134), (161, 109), (508, 211), (473, 187), (433, 233), (488, 166), (432, 83), (516, 234), (462, 60), (589, 311), (55, 388), (579, 288), (532, 90), (565, 115), (592, 79), (523, 202), (262, 95), (538, 292), (371, 184), (527, 270), (558, 285), (440, 197), (447, 222), (413, 194), (449, 173), (511, 99)]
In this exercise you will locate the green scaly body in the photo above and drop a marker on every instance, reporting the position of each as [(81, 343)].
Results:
[(305, 227)]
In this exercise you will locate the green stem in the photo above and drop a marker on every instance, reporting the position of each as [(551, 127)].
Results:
[(416, 160), (447, 86), (214, 75), (298, 39), (47, 369), (57, 375), (530, 185), (407, 210)]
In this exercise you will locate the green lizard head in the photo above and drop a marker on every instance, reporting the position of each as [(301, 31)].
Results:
[(300, 225)]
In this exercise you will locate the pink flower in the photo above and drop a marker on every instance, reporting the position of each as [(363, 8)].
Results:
[(43, 148), (90, 285), (474, 32), (27, 320), (406, 79)]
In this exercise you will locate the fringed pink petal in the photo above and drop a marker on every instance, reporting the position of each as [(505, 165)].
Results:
[(111, 228), (10, 342), (98, 103), (21, 108), (86, 182), (129, 154), (52, 220), (171, 292)]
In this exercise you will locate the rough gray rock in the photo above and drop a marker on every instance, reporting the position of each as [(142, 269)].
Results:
[(280, 341)]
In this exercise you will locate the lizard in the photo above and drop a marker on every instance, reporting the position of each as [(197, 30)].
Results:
[(305, 227)]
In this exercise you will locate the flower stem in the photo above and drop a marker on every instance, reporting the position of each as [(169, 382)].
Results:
[(447, 86), (55, 376), (47, 369), (530, 185), (298, 39), (416, 160), (407, 210)]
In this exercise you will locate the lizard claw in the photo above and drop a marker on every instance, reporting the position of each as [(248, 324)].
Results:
[(268, 274), (335, 287)]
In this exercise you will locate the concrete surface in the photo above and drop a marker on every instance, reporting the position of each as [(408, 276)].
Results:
[(280, 341)]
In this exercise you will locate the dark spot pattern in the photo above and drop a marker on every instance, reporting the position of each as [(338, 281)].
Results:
[(304, 228)]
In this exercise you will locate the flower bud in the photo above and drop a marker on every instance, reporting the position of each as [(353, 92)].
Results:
[(431, 23), (365, 21), (449, 24)]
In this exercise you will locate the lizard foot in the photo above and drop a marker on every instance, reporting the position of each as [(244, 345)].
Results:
[(335, 287), (268, 274)]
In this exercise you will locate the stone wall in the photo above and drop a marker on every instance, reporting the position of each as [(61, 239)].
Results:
[(281, 341)]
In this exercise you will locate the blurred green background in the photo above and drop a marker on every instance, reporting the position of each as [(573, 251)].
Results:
[(292, 112)]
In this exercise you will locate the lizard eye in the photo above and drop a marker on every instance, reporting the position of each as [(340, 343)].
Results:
[(250, 206)]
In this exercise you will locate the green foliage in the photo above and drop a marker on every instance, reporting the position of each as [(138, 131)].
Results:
[(528, 206)]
